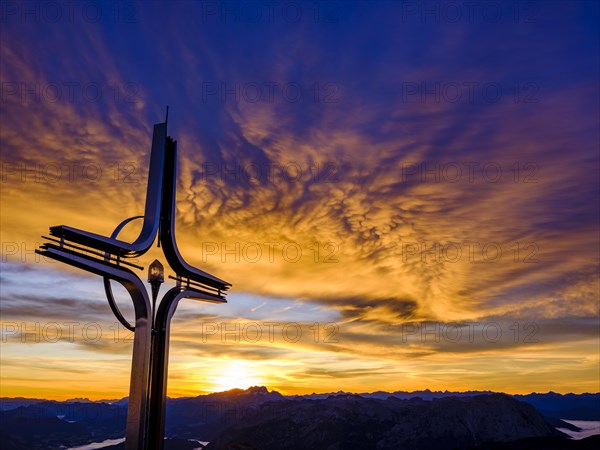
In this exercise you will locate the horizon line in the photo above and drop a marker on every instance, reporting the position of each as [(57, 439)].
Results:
[(312, 393)]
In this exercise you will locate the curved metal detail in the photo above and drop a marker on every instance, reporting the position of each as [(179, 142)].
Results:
[(160, 361), (135, 433), (151, 214), (107, 287), (167, 227)]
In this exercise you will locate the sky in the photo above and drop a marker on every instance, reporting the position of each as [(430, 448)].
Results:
[(404, 195)]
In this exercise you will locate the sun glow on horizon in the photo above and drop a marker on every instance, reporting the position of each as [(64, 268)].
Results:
[(236, 374)]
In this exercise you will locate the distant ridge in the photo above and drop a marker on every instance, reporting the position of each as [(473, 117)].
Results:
[(378, 420), (425, 394), (584, 406)]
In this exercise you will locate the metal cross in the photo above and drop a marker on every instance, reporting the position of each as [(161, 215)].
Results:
[(108, 257)]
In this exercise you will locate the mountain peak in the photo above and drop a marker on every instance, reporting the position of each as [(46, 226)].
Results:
[(257, 390), (253, 394), (78, 400)]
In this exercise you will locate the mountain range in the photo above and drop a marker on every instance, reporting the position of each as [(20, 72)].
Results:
[(257, 418)]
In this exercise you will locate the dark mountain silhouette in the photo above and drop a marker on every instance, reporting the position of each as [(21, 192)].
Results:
[(566, 406), (559, 406), (569, 406), (7, 403), (51, 424), (404, 395), (40, 432), (209, 415), (263, 419), (352, 421)]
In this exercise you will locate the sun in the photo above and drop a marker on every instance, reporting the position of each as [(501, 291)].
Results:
[(236, 374)]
